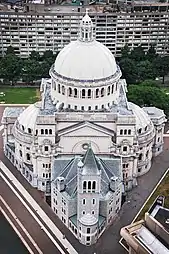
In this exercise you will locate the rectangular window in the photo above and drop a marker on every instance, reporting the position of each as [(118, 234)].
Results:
[(88, 230), (46, 148), (88, 238)]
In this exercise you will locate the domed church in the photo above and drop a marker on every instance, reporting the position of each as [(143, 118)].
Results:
[(84, 143)]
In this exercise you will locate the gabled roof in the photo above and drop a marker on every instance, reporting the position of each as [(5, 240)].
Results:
[(67, 166), (83, 124)]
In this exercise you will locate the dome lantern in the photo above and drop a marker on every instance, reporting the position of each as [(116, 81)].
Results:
[(86, 29)]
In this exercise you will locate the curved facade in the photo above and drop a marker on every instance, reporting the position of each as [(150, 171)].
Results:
[(83, 113)]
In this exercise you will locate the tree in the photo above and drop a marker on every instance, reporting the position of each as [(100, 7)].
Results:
[(145, 70), (47, 54), (10, 50), (125, 51), (138, 54), (128, 68), (10, 68), (151, 53), (149, 96), (35, 55), (162, 66), (31, 70)]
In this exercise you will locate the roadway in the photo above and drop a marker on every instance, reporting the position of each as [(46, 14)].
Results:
[(108, 242)]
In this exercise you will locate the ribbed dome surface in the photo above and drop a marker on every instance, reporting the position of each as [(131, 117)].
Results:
[(142, 119), (85, 61), (88, 219), (28, 116)]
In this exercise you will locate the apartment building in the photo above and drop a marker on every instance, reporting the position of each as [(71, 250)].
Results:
[(40, 27)]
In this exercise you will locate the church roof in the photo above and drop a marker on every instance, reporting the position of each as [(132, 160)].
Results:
[(67, 166), (90, 166)]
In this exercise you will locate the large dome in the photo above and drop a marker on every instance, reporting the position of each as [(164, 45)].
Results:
[(85, 61)]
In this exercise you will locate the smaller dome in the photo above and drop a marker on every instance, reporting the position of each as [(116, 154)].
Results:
[(28, 117), (142, 118), (88, 219)]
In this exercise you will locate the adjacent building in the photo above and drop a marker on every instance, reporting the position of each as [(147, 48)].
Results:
[(83, 143), (51, 27), (150, 235)]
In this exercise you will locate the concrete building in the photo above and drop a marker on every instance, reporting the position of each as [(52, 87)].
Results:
[(83, 110), (40, 27), (150, 235)]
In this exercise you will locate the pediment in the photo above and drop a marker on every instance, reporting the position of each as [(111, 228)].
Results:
[(86, 129)]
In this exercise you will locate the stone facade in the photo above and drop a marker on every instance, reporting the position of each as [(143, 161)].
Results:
[(44, 139)]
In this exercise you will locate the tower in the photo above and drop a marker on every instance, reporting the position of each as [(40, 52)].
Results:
[(89, 178)]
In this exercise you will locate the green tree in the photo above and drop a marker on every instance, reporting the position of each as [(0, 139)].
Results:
[(145, 70), (35, 55), (125, 51), (10, 50), (151, 53), (162, 66), (138, 54), (149, 96), (31, 70), (128, 68), (10, 68)]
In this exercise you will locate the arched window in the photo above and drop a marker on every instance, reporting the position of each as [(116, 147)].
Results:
[(29, 130), (139, 131), (42, 131), (147, 154), (140, 156), (28, 157), (102, 106), (112, 88), (129, 132), (89, 93), (75, 92), (58, 88), (54, 85), (83, 93), (125, 132), (84, 185), (46, 131), (89, 185), (36, 132), (108, 90), (121, 132), (102, 92), (50, 131), (97, 93), (63, 90), (96, 107), (70, 91), (20, 153), (94, 186), (89, 108)]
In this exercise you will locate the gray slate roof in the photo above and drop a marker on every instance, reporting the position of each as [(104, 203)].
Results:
[(48, 108), (13, 111), (66, 166)]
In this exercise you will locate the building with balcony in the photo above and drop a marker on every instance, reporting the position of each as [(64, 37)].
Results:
[(150, 235), (39, 27), (83, 143)]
